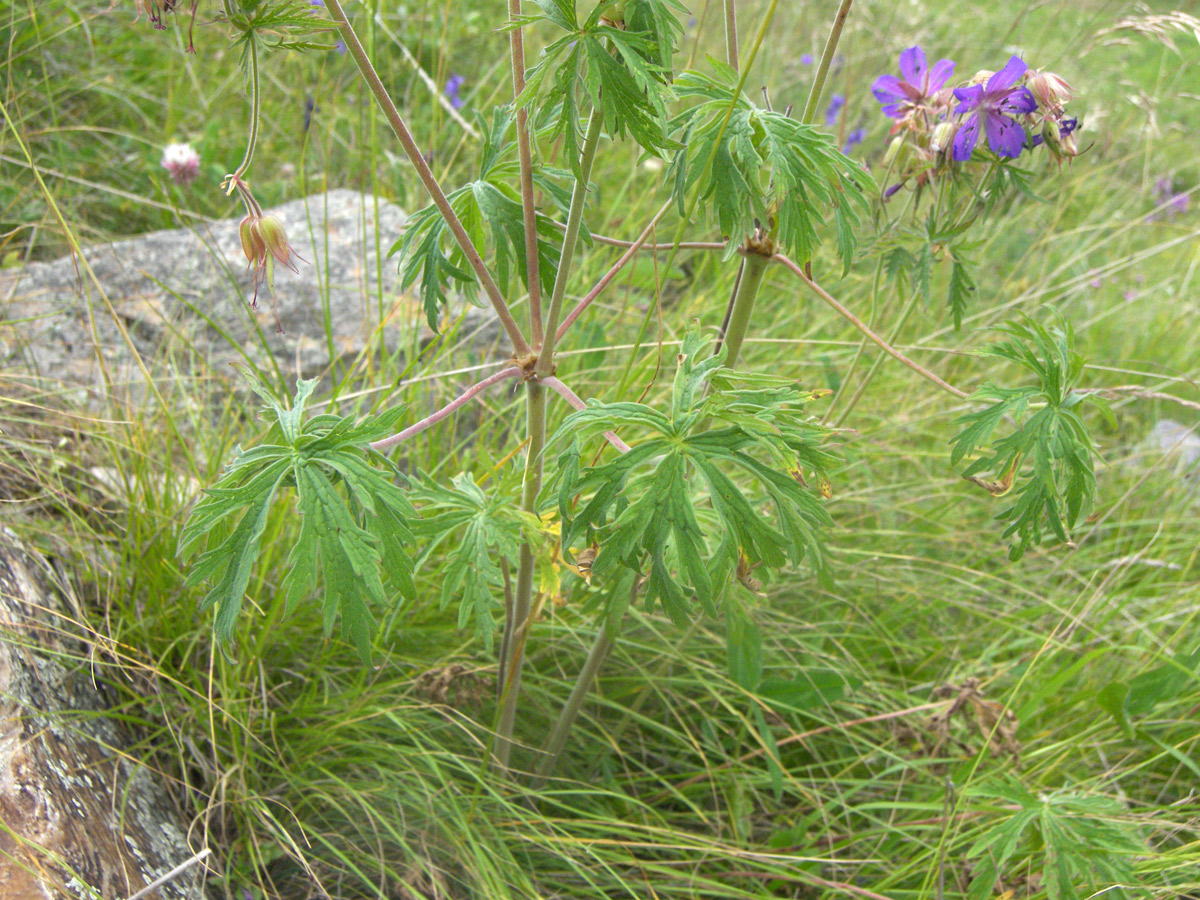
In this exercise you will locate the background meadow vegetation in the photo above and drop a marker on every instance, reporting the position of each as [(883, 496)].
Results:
[(310, 776)]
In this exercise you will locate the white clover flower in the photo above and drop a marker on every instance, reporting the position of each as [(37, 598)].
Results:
[(181, 162)]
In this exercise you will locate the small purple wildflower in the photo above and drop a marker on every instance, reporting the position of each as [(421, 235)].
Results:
[(900, 96), (1171, 203), (835, 107), (993, 106), (806, 59), (1096, 283), (453, 85), (691, 22), (854, 138), (340, 48)]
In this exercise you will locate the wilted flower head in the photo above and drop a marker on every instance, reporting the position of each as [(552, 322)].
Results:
[(902, 96), (181, 162), (264, 242), (156, 9), (992, 107), (1051, 91)]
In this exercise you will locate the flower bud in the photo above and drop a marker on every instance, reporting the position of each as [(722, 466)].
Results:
[(943, 136), (893, 150)]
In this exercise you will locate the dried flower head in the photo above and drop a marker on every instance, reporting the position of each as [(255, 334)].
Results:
[(264, 242)]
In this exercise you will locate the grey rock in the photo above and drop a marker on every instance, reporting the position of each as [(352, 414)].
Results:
[(80, 812), (180, 300), (1179, 443)]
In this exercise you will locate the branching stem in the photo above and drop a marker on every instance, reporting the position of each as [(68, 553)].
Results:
[(858, 323), (572, 398), (516, 46), (612, 273), (417, 427), (371, 77), (587, 155), (517, 628), (754, 267)]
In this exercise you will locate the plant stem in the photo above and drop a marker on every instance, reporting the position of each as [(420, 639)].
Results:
[(572, 398), (613, 272), (876, 363), (516, 46), (835, 34), (862, 345), (570, 711), (416, 428), (753, 269), (514, 643), (371, 77), (587, 154), (254, 111), (857, 323), (731, 37)]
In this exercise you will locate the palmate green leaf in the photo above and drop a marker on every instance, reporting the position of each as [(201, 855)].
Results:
[(482, 527), (354, 520), (962, 285), (698, 493), (623, 68), (1045, 466), (1083, 844), (491, 212), (753, 166)]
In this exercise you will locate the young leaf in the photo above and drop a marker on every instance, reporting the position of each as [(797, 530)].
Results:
[(753, 166), (677, 509), (353, 519), (1046, 463)]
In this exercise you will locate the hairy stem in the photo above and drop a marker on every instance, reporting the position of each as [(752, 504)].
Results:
[(517, 628), (516, 46), (371, 77), (572, 398), (570, 712), (857, 323), (835, 34), (612, 273), (252, 142), (754, 266), (417, 427), (731, 36), (587, 155)]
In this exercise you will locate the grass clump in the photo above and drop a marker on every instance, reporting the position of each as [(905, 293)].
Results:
[(936, 722)]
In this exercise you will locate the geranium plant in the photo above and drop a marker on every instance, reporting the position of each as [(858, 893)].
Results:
[(691, 501)]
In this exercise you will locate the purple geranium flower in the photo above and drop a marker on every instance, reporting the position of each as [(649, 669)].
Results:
[(993, 105), (835, 107), (806, 59), (901, 96), (854, 138), (453, 84)]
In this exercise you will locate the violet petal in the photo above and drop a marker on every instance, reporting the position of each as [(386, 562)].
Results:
[(964, 141), (912, 65), (940, 74), (1005, 136), (1007, 76)]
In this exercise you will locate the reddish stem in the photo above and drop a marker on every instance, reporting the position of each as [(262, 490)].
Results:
[(416, 428), (571, 397)]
